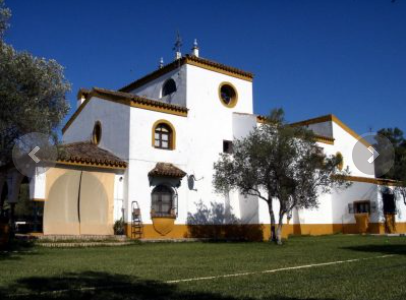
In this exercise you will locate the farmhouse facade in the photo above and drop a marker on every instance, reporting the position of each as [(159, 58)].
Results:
[(145, 154)]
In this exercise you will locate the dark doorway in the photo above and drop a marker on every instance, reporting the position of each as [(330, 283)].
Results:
[(389, 210), (28, 213), (389, 204)]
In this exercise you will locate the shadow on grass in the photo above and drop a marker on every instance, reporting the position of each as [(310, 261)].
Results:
[(382, 249), (15, 249), (99, 285)]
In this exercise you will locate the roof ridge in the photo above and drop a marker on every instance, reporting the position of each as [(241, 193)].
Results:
[(137, 98), (193, 60)]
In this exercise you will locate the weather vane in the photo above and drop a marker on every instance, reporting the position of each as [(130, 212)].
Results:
[(178, 45)]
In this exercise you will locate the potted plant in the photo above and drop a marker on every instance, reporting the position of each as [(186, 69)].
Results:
[(119, 227)]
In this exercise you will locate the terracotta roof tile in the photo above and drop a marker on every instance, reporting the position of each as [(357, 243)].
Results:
[(138, 99), (87, 153), (166, 170)]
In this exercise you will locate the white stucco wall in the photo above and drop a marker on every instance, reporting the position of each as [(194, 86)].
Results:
[(127, 132), (115, 122), (153, 89), (344, 143), (37, 185), (401, 208), (143, 158), (199, 140)]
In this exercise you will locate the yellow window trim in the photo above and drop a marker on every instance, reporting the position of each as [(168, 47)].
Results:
[(172, 143), (233, 101)]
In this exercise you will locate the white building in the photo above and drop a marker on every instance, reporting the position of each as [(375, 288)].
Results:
[(153, 143)]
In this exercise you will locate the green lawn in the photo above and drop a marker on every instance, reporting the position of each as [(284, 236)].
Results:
[(140, 271)]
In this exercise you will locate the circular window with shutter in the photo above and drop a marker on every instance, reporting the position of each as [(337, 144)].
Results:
[(228, 94)]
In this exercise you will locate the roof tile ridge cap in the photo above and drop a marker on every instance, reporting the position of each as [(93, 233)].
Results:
[(219, 65), (157, 102), (330, 117), (168, 65), (134, 97), (76, 143), (110, 91)]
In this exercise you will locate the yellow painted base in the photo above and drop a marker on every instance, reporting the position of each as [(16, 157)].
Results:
[(362, 221), (163, 225), (257, 232), (390, 223)]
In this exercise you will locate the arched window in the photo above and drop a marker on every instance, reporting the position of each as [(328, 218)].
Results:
[(169, 87), (162, 201), (97, 133), (163, 135)]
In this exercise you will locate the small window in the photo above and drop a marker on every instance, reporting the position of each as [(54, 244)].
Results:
[(163, 136), (341, 159), (228, 95), (162, 201), (362, 207), (169, 87), (97, 133), (228, 147)]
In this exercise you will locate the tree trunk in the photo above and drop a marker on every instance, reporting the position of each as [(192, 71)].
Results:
[(12, 220), (3, 176), (279, 231), (273, 237)]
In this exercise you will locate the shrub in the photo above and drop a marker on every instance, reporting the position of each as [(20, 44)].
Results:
[(119, 227)]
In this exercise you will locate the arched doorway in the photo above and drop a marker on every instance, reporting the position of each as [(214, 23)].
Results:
[(79, 202)]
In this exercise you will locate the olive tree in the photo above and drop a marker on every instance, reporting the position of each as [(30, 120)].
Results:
[(279, 162), (32, 96), (32, 93), (398, 170)]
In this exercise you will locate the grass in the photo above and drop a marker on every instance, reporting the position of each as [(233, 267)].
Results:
[(140, 271)]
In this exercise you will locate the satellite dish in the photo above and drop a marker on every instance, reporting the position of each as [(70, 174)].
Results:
[(191, 182)]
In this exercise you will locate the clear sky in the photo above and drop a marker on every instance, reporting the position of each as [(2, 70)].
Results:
[(346, 57)]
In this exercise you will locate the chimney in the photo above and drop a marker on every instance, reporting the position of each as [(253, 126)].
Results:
[(81, 100), (82, 95), (195, 49), (161, 63)]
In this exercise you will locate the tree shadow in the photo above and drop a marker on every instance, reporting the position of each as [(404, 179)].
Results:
[(100, 285), (15, 248), (382, 249), (216, 223)]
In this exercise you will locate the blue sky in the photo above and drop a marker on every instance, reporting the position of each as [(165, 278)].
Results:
[(312, 58)]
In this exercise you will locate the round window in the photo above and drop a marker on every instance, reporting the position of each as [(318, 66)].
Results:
[(228, 94), (97, 133)]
